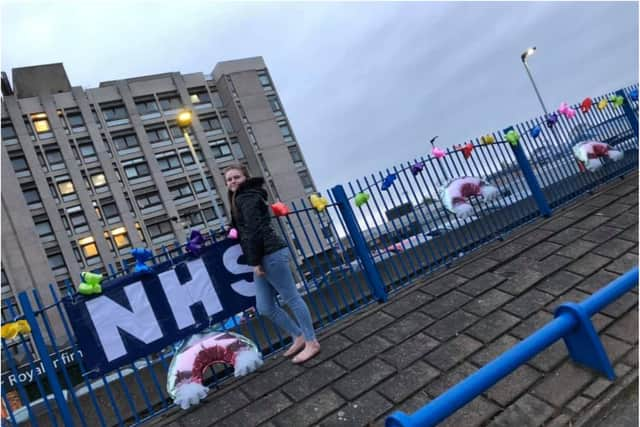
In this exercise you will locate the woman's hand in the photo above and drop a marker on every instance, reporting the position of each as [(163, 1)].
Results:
[(258, 271)]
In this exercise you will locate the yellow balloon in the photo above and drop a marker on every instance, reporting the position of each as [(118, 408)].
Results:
[(319, 203), (602, 104), (487, 139)]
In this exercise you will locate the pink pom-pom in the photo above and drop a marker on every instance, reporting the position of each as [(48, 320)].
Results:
[(233, 234)]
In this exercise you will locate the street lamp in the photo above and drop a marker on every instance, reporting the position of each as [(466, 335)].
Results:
[(183, 121), (527, 53)]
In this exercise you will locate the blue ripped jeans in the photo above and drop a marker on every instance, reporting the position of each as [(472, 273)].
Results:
[(279, 279)]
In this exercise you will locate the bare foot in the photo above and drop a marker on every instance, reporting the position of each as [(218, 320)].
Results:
[(311, 348), (297, 345)]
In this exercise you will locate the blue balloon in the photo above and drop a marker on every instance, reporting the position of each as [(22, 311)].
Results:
[(535, 131), (388, 181), (634, 94)]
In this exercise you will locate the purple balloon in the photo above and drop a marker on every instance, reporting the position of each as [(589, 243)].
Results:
[(552, 119), (194, 245), (417, 168)]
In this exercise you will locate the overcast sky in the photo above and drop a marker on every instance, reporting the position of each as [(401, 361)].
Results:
[(365, 85)]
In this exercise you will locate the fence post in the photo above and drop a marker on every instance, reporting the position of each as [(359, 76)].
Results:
[(49, 369), (362, 251), (632, 116), (530, 177)]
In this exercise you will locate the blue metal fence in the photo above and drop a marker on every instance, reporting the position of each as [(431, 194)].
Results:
[(345, 258), (572, 322)]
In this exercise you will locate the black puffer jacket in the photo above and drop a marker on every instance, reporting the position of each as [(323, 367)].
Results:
[(250, 216)]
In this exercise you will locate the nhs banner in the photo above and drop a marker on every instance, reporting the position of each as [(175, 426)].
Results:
[(143, 313)]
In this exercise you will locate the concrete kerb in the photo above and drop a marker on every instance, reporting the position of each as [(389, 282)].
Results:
[(593, 415)]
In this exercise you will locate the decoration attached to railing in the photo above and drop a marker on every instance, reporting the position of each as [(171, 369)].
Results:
[(455, 194)]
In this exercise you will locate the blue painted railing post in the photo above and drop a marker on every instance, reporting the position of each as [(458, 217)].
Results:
[(530, 177), (49, 369), (632, 115), (361, 250)]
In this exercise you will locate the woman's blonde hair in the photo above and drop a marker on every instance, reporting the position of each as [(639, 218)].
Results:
[(232, 196)]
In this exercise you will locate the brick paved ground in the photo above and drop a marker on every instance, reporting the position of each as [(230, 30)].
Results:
[(401, 354)]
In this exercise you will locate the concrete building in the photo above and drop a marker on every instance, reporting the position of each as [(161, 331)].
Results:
[(89, 174)]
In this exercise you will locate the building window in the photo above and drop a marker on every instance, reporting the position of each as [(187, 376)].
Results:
[(285, 130), (265, 82), (295, 154), (236, 149), (199, 97), (306, 181), (66, 187), (126, 143), (43, 226), (168, 162), (157, 135), (41, 123), (96, 119), (27, 124), (181, 190), (194, 218), (78, 220), (110, 211), (209, 214), (275, 105), (19, 164), (220, 148), (148, 200), (89, 248), (56, 261), (98, 180), (115, 114), (146, 107), (136, 168), (226, 124), (170, 102), (216, 100), (87, 150), (31, 196), (161, 231), (120, 237), (211, 125), (8, 132)]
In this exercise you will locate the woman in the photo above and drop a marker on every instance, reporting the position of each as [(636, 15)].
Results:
[(268, 253)]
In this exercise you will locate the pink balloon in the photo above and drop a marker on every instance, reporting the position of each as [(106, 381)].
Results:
[(438, 153), (233, 234)]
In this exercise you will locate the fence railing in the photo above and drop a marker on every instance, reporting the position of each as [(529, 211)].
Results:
[(345, 258), (572, 322)]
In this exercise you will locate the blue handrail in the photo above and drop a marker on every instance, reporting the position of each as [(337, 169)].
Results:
[(564, 325)]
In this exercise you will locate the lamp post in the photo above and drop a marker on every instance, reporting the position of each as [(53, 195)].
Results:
[(183, 121), (527, 53)]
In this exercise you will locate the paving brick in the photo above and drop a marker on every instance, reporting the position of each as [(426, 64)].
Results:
[(613, 210), (401, 329), (444, 284), (452, 352), (508, 251), (310, 411), (630, 234), (601, 200), (558, 223), (360, 412), (528, 303), (600, 321), (534, 237), (527, 411), (621, 305), (415, 402), (591, 222), (493, 350), (614, 248), (630, 199), (363, 379), (551, 357), (482, 283), (476, 267), (614, 347), (312, 380), (513, 385), (621, 369), (331, 345), (451, 325), (562, 420), (597, 388), (367, 326), (407, 304), (559, 282), (492, 326), (359, 353), (530, 325), (624, 220), (409, 351), (602, 234), (597, 281), (542, 250), (407, 382), (446, 304), (521, 281), (516, 266), (214, 408), (578, 404), (271, 379), (487, 302), (631, 358), (474, 413), (574, 295), (259, 411), (577, 248), (564, 383), (623, 264), (588, 264), (567, 235), (625, 328), (580, 211), (447, 380), (551, 264)]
